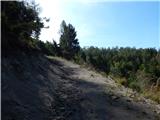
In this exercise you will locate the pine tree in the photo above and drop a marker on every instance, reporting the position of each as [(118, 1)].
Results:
[(68, 42)]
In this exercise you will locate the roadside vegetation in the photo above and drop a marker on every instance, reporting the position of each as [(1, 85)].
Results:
[(138, 69)]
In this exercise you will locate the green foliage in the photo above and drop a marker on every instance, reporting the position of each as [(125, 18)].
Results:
[(135, 68), (153, 94), (50, 48), (57, 49), (21, 27), (135, 86), (68, 43), (20, 23), (47, 47), (80, 58)]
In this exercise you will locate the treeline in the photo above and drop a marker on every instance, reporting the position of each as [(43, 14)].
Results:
[(135, 68)]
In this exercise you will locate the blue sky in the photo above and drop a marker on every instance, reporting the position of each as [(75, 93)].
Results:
[(105, 24)]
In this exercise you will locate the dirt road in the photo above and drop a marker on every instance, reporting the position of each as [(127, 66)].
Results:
[(48, 88), (103, 99)]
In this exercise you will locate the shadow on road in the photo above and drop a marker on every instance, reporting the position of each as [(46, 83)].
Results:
[(38, 88)]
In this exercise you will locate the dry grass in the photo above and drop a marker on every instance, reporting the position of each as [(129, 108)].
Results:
[(153, 94)]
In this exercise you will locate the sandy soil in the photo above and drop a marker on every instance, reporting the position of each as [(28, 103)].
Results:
[(49, 88)]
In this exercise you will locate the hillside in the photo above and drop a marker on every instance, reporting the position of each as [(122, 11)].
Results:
[(37, 87)]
